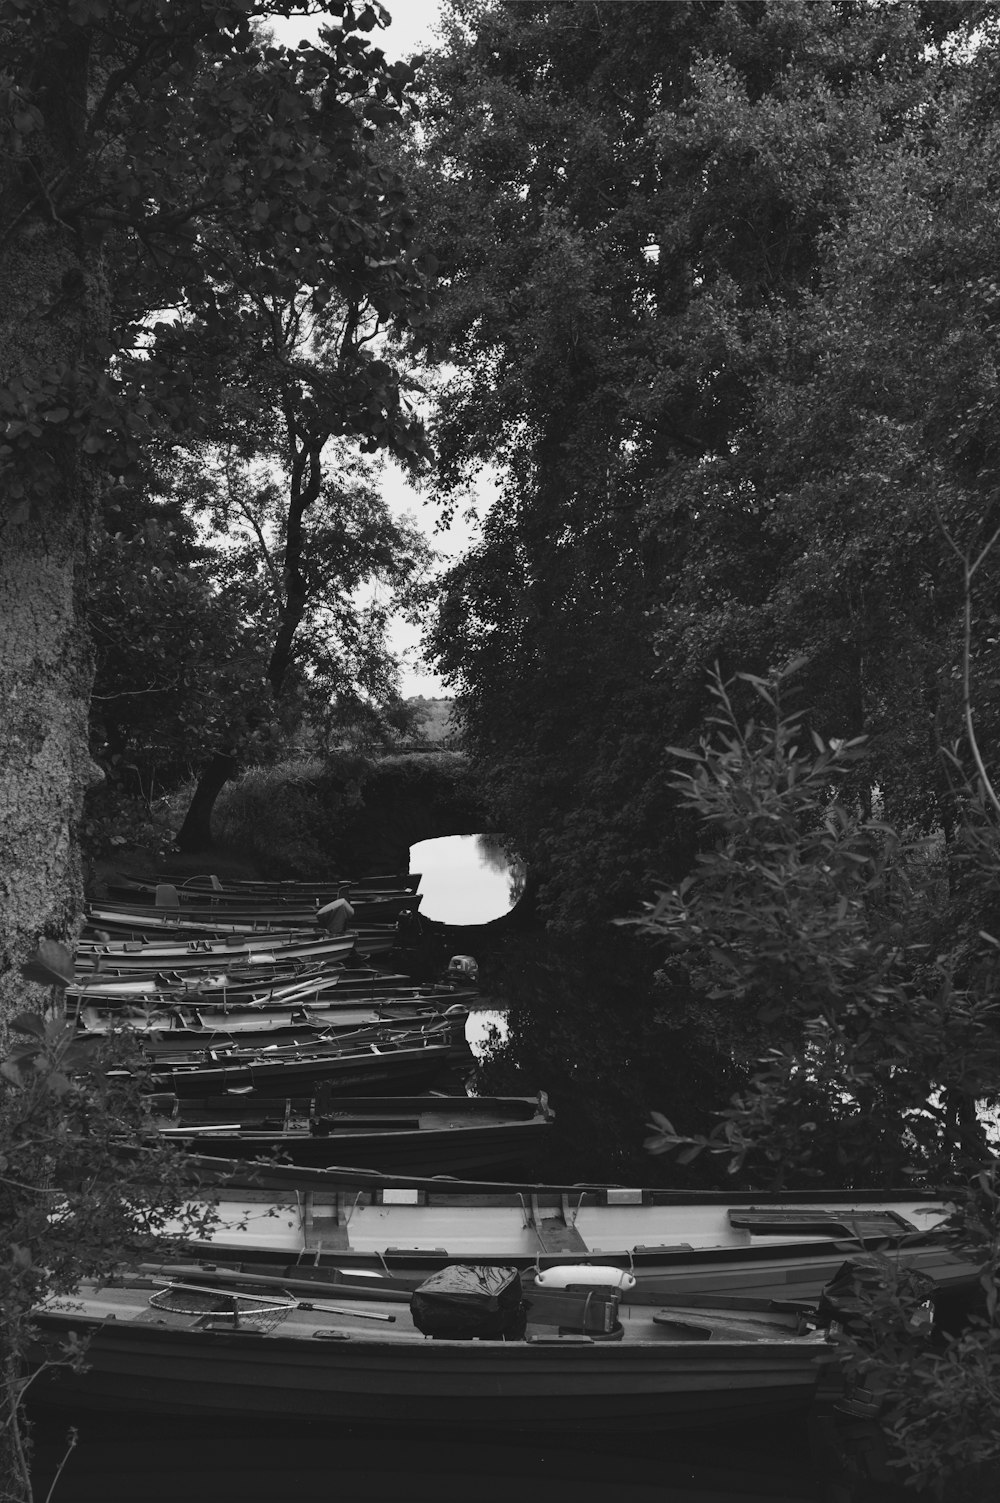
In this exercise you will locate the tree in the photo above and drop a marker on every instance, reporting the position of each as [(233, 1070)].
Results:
[(277, 464), (820, 530), (178, 647), (824, 926), (140, 139), (627, 207)]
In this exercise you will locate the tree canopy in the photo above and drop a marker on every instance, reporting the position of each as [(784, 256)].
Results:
[(168, 176), (637, 214)]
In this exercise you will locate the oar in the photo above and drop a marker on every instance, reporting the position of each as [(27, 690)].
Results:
[(272, 1281), (272, 1300)]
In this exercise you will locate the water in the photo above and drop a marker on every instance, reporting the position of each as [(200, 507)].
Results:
[(137, 1459), (466, 879), (485, 1027)]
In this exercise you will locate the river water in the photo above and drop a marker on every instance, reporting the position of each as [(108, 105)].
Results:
[(580, 1026), (129, 1459)]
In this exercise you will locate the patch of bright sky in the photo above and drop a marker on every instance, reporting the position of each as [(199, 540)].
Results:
[(411, 30)]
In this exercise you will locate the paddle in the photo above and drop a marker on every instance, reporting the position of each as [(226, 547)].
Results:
[(271, 1300), (272, 1281)]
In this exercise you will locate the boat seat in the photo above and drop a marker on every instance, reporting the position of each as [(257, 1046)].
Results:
[(682, 1330), (328, 1228), (817, 1221), (657, 1249), (555, 1229)]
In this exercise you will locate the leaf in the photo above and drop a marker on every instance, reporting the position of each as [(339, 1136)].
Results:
[(29, 1022), (661, 1122), (51, 964)]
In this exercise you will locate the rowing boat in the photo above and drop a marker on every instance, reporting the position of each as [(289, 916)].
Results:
[(395, 1061), (406, 1134), (178, 906), (676, 1244), (158, 1027), (198, 954), (557, 1360), (263, 984)]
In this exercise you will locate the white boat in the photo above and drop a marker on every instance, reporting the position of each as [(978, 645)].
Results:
[(675, 1245)]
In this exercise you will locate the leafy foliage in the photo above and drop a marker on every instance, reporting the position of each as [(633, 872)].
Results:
[(178, 650), (207, 163), (937, 1397), (72, 1205), (822, 922), (633, 211)]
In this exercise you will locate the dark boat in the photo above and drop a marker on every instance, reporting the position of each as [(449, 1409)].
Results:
[(399, 1061), (272, 985), (266, 888), (554, 1360), (162, 955), (145, 907), (164, 1028), (409, 1134)]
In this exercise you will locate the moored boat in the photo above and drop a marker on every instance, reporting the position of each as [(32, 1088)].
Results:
[(198, 954), (553, 1360), (395, 1060), (675, 1244), (180, 906), (160, 1028), (409, 1134)]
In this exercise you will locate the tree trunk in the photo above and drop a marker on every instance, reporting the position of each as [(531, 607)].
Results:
[(195, 834), (52, 304)]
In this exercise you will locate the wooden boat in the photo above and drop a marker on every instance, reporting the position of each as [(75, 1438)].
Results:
[(570, 1360), (200, 954), (147, 905), (323, 891), (104, 923), (170, 1027), (676, 1244), (410, 1134), (398, 1060), (261, 985), (374, 939)]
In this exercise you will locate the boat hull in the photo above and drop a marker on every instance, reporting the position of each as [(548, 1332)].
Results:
[(675, 1249), (557, 1384), (390, 1072)]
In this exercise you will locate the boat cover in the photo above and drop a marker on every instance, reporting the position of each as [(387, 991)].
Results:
[(466, 1300)]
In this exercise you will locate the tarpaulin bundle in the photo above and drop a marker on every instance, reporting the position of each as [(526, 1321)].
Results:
[(467, 1300)]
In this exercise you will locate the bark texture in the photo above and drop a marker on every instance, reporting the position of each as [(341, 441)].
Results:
[(51, 305)]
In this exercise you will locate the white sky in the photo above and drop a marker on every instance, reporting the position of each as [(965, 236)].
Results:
[(411, 31)]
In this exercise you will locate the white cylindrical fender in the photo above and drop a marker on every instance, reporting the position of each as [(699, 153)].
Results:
[(594, 1275)]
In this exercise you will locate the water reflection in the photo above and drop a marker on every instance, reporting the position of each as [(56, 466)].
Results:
[(466, 879), (586, 1023), (121, 1458), (486, 1031)]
